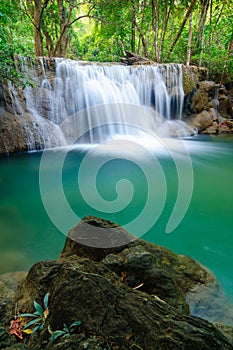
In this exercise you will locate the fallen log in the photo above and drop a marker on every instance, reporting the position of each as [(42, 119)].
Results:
[(134, 59)]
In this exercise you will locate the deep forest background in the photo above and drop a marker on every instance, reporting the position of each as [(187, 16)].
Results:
[(192, 32)]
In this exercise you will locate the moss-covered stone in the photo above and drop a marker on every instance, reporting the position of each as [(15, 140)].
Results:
[(126, 297)]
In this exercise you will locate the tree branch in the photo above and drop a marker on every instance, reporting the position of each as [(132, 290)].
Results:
[(68, 25), (191, 6)]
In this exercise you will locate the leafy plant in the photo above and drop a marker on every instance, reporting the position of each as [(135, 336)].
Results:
[(66, 331), (39, 316)]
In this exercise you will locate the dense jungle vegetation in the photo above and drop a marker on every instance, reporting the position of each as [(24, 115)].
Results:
[(192, 32)]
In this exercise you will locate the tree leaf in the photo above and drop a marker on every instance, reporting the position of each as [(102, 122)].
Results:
[(35, 329), (28, 315), (38, 308), (66, 329), (32, 322), (57, 334), (36, 313), (75, 324), (38, 328), (46, 313), (27, 331), (46, 300)]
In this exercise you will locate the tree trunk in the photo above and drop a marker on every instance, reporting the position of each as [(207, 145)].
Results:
[(142, 37), (38, 40), (191, 6), (202, 26), (190, 39), (166, 18), (49, 42), (227, 64), (133, 36), (155, 26)]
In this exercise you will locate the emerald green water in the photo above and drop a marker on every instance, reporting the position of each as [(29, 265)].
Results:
[(205, 233)]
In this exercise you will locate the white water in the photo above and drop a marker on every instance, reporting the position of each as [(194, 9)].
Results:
[(156, 92)]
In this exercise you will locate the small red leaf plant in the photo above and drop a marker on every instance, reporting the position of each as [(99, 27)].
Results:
[(18, 326)]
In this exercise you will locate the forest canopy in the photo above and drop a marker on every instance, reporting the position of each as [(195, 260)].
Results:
[(192, 32)]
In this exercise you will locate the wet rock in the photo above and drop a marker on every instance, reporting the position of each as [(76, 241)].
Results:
[(213, 129), (214, 103), (76, 342), (210, 100), (95, 238), (17, 347), (210, 303), (201, 120), (138, 267), (192, 75), (9, 283), (229, 124), (208, 86), (126, 297), (119, 315), (225, 128), (5, 339), (226, 330), (202, 95)]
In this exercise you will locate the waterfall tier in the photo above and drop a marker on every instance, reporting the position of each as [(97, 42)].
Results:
[(40, 110)]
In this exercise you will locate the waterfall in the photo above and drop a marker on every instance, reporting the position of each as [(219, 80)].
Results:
[(81, 86), (78, 86)]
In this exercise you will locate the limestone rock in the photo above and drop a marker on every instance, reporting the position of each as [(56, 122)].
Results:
[(192, 75), (201, 97), (214, 103), (213, 129), (229, 124), (212, 98), (201, 120)]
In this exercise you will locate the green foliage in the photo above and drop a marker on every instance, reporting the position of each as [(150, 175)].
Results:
[(39, 316), (66, 331), (11, 43), (102, 30)]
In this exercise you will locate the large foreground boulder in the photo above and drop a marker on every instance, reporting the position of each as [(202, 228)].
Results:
[(124, 297)]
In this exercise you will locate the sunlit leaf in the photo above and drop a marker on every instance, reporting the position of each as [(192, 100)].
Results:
[(27, 331), (46, 313)]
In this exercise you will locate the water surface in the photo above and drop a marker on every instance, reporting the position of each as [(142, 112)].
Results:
[(206, 232)]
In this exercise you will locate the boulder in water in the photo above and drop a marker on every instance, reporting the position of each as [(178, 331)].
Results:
[(126, 297)]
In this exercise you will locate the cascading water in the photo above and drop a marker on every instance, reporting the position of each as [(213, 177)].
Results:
[(78, 86)]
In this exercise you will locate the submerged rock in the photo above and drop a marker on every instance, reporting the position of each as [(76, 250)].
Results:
[(130, 296)]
